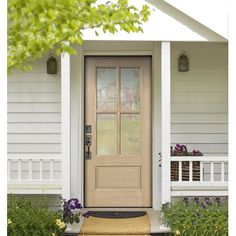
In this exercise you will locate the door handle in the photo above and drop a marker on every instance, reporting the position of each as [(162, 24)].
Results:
[(88, 143)]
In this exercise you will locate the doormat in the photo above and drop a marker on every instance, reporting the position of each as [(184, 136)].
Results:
[(136, 225), (117, 214)]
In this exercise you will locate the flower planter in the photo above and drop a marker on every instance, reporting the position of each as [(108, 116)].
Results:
[(181, 150)]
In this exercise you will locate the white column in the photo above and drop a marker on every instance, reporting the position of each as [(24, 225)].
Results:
[(77, 122), (165, 119), (156, 127), (65, 124)]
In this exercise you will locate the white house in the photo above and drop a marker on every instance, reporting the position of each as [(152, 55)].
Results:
[(65, 138)]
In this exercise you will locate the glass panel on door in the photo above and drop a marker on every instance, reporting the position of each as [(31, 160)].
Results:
[(130, 89), (130, 134), (106, 89), (106, 134)]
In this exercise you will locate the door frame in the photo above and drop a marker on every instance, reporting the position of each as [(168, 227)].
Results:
[(77, 118)]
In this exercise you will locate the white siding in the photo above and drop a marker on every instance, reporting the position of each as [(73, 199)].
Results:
[(199, 98), (34, 113)]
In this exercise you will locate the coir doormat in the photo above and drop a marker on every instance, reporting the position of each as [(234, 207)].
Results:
[(116, 223)]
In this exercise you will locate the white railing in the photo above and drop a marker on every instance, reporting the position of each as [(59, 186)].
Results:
[(200, 181), (34, 174)]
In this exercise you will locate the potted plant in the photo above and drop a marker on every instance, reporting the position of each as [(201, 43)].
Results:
[(181, 150)]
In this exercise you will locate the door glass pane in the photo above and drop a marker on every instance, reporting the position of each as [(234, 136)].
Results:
[(130, 88), (130, 134), (106, 134), (106, 88)]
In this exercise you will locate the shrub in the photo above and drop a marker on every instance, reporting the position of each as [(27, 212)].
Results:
[(195, 217), (29, 217)]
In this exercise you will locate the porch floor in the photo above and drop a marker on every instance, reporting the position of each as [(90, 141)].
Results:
[(154, 217)]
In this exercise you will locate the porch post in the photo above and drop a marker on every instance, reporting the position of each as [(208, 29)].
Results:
[(165, 119), (65, 124)]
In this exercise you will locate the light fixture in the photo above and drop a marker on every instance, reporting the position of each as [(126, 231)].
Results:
[(51, 65), (183, 62)]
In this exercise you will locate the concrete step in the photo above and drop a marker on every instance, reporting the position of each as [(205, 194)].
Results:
[(157, 228)]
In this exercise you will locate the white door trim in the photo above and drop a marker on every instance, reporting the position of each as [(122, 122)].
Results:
[(77, 119)]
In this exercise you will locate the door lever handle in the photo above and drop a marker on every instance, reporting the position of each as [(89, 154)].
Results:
[(88, 143)]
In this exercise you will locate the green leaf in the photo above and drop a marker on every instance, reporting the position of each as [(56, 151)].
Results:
[(35, 27)]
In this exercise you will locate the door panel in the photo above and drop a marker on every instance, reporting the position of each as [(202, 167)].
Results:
[(118, 151)]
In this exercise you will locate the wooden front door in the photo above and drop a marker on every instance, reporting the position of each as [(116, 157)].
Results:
[(118, 132)]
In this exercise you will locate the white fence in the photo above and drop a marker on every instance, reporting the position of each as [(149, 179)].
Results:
[(34, 174), (212, 176)]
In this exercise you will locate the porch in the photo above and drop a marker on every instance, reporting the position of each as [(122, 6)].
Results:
[(174, 120)]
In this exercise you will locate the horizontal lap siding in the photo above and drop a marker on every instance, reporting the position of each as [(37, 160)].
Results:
[(34, 111), (199, 104)]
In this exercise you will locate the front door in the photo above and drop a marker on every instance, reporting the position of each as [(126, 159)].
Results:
[(118, 132)]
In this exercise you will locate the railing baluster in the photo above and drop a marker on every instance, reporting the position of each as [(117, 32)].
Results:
[(40, 169), (180, 171), (19, 169), (30, 169), (212, 171), (222, 171), (8, 169), (201, 171), (51, 169), (190, 171)]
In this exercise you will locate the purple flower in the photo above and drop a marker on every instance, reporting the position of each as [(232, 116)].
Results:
[(218, 200), (86, 215), (73, 204), (207, 201), (197, 153), (79, 206), (185, 200), (196, 200)]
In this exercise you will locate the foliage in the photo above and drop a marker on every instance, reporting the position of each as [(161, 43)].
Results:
[(69, 213), (30, 217), (208, 217), (36, 27), (181, 150)]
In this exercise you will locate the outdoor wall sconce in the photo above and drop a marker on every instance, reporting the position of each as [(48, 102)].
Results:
[(183, 62), (51, 65)]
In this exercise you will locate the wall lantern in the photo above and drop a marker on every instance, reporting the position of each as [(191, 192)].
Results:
[(183, 62), (51, 65)]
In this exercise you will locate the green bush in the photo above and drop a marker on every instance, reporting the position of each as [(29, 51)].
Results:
[(32, 218), (196, 217)]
